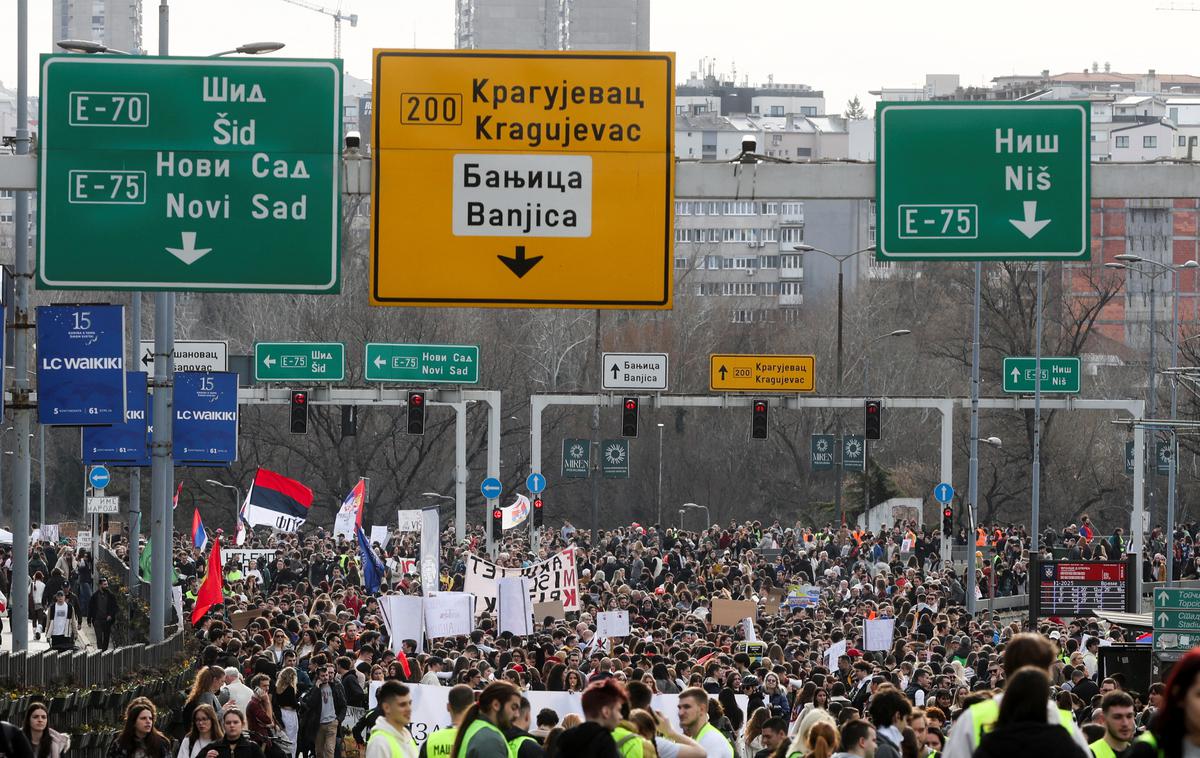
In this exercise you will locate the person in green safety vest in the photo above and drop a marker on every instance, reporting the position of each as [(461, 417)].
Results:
[(1025, 649), (693, 717), (522, 744), (1119, 725), (481, 733), (1175, 729), (390, 737), (1022, 727), (440, 743)]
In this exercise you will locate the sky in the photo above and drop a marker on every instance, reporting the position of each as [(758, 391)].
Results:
[(842, 48)]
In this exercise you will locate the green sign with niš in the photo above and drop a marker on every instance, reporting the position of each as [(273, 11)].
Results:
[(982, 181), (426, 364), (614, 459), (215, 174), (299, 362), (821, 452), (854, 452), (576, 458), (1059, 375)]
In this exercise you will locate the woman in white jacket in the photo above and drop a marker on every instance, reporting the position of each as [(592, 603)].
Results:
[(46, 742), (205, 730)]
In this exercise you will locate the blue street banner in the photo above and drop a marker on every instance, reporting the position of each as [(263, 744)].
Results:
[(206, 418), (81, 364), (126, 444)]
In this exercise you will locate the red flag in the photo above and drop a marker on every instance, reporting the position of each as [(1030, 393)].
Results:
[(175, 500), (210, 593)]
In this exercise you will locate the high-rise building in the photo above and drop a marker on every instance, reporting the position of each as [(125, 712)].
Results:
[(114, 23), (552, 24)]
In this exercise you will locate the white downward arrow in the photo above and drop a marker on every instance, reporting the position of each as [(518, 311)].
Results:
[(379, 361), (1030, 225), (189, 254)]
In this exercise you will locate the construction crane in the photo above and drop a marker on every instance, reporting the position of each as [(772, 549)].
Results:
[(338, 18)]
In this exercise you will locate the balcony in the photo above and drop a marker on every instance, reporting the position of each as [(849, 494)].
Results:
[(791, 300), (791, 272)]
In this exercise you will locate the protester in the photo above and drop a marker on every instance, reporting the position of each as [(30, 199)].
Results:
[(139, 738), (1022, 727), (481, 732), (440, 743), (205, 730), (236, 742), (1175, 730), (102, 613), (46, 742), (321, 713), (390, 737)]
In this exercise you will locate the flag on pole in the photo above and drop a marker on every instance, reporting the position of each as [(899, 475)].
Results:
[(372, 567), (175, 500), (349, 516), (199, 535), (242, 527), (277, 502), (515, 514), (210, 593)]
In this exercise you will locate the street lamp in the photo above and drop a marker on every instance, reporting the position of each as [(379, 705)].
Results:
[(658, 500), (437, 495), (993, 441), (89, 47), (251, 48), (694, 506), (237, 493), (1132, 262)]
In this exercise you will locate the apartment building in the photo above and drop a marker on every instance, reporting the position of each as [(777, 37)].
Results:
[(115, 23), (552, 24)]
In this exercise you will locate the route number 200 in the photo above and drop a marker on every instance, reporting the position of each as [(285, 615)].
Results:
[(427, 108)]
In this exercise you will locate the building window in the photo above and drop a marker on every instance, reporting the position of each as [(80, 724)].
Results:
[(776, 139), (681, 263), (792, 209), (1121, 141), (9, 193), (808, 110), (776, 110), (768, 261), (791, 235), (683, 208), (790, 288), (1149, 141), (1182, 141)]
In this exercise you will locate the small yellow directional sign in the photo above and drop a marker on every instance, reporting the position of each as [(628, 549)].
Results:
[(762, 373), (523, 179)]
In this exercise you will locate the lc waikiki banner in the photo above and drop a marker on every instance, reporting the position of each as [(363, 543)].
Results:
[(349, 516), (552, 580)]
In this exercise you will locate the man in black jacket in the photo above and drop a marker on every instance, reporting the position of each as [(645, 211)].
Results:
[(13, 742), (321, 712), (356, 696), (102, 612)]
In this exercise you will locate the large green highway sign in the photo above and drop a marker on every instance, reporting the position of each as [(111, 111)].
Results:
[(424, 364), (189, 174), (982, 181), (1058, 375)]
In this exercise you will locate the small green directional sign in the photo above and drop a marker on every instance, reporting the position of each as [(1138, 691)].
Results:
[(1176, 618), (1059, 375), (299, 361), (425, 364)]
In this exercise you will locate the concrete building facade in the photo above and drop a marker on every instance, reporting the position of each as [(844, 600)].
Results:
[(552, 24), (115, 23)]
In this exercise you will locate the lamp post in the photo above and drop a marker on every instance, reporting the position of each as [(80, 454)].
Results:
[(841, 259), (658, 498), (1131, 262), (237, 493), (972, 517), (866, 393)]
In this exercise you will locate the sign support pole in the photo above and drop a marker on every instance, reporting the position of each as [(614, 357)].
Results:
[(973, 464), (460, 473), (22, 410), (161, 473), (1037, 421), (135, 474)]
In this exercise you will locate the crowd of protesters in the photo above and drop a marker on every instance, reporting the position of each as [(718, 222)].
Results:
[(295, 679)]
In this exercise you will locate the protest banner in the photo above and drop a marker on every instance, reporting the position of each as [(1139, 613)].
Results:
[(731, 612), (410, 521), (244, 558), (448, 614), (611, 624), (552, 579)]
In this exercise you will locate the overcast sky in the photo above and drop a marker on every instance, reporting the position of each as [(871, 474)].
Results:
[(844, 48)]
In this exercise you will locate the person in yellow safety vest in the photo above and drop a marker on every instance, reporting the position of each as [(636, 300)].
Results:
[(1175, 728), (1022, 727), (597, 737), (390, 738), (481, 733), (522, 744), (1025, 649), (693, 717), (440, 743), (1119, 725)]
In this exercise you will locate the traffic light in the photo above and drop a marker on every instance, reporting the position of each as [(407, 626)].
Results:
[(629, 417), (758, 425), (416, 413), (537, 512), (947, 520), (874, 422), (349, 420), (300, 412), (497, 524)]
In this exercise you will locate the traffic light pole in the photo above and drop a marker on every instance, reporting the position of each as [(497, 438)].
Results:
[(1034, 518)]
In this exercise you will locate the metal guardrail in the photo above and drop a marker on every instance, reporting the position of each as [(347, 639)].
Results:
[(84, 669)]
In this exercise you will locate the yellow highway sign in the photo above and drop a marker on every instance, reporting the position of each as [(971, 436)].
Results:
[(762, 373), (523, 179)]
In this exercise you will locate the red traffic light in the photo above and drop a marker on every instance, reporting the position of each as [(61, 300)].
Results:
[(947, 513), (416, 398), (497, 514), (630, 404), (537, 503), (300, 398), (872, 408), (760, 407)]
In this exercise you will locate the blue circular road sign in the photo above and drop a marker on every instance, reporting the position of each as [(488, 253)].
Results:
[(944, 493), (98, 477), (535, 483), (491, 488)]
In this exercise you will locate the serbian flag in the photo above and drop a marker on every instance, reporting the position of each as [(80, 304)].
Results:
[(349, 516), (175, 500), (210, 593), (277, 502), (199, 535)]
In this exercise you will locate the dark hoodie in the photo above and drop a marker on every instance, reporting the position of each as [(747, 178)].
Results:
[(1028, 738), (588, 740)]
